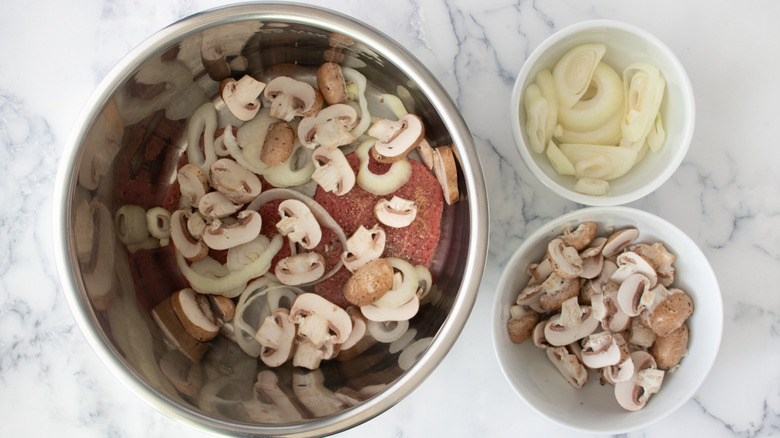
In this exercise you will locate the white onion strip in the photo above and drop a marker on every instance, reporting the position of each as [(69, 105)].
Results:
[(227, 284), (231, 144), (323, 217), (352, 75), (383, 184), (203, 121), (290, 173)]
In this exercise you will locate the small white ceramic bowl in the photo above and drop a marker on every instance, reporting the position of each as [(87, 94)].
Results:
[(625, 44), (594, 408)]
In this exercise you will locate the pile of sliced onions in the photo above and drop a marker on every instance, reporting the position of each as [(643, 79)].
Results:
[(590, 122)]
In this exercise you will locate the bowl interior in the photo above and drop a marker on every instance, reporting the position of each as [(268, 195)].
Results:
[(625, 45), (594, 408), (126, 152)]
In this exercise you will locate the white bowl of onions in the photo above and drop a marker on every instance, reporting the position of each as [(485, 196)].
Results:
[(602, 113), (587, 358)]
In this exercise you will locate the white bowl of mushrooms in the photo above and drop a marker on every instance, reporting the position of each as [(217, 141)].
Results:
[(602, 112), (607, 319)]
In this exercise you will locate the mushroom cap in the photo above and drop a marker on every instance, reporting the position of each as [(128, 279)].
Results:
[(363, 246), (331, 84), (618, 241), (369, 282), (330, 127), (242, 96), (309, 303), (216, 205), (580, 237), (669, 350), (278, 143), (564, 259), (396, 212), (195, 314), (397, 144), (446, 173), (522, 328), (630, 263), (332, 170), (298, 223), (300, 269), (558, 289), (300, 98), (671, 313), (234, 181), (173, 330)]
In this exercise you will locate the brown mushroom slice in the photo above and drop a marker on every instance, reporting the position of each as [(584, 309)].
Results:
[(396, 212), (600, 350), (331, 83), (539, 271), (173, 330), (595, 285), (331, 127), (242, 96), (618, 241), (369, 282), (668, 350), (633, 394), (234, 181), (320, 321), (564, 259), (634, 294), (671, 313), (521, 323), (556, 290), (290, 98), (214, 205), (572, 324), (332, 171), (425, 151), (661, 259), (223, 235), (300, 269), (609, 312), (396, 138), (568, 365), (194, 312), (364, 246), (624, 368), (223, 307), (640, 335), (298, 223), (278, 143), (630, 263), (193, 184), (192, 249), (185, 376), (537, 335), (580, 237), (446, 173), (277, 336)]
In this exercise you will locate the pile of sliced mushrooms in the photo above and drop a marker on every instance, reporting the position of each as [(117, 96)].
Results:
[(605, 304), (294, 134), (590, 122)]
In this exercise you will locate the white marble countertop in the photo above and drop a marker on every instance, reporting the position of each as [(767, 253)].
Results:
[(725, 195)]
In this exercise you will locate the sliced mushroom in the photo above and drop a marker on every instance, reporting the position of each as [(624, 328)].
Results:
[(278, 143), (595, 285), (446, 173), (607, 310), (600, 350), (634, 294), (320, 321), (633, 394), (185, 376), (592, 259), (618, 241), (290, 98), (630, 263), (556, 290), (194, 312), (537, 335), (396, 138), (572, 324), (173, 330), (395, 213), (668, 350), (580, 237), (329, 128), (331, 84), (369, 282), (221, 235), (298, 223), (539, 271), (521, 324), (277, 337), (300, 269), (364, 246), (234, 181), (661, 259), (671, 313), (191, 248), (425, 151), (568, 365), (640, 335), (242, 96), (193, 184), (224, 308), (564, 259), (332, 171), (213, 205)]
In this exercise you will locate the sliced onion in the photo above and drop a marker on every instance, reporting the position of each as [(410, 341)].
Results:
[(394, 103), (158, 221), (546, 83), (413, 352), (352, 75), (644, 90), (387, 332), (657, 134), (386, 183), (209, 267), (231, 144), (594, 112), (609, 133), (599, 161), (203, 122), (296, 170), (251, 137), (130, 224), (574, 71), (251, 311), (405, 291), (536, 109), (227, 284), (560, 163), (246, 253), (592, 186), (323, 217)]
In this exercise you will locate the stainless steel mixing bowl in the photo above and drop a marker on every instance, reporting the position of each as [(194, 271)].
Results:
[(124, 149)]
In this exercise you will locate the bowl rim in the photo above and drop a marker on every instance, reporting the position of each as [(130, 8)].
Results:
[(498, 321), (453, 324), (525, 154)]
